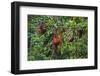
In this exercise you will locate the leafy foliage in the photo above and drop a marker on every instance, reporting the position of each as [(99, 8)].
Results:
[(73, 32)]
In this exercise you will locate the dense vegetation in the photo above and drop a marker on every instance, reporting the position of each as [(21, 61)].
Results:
[(57, 37)]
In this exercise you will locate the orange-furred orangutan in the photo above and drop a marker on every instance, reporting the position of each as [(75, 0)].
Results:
[(57, 38), (41, 28), (57, 42)]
